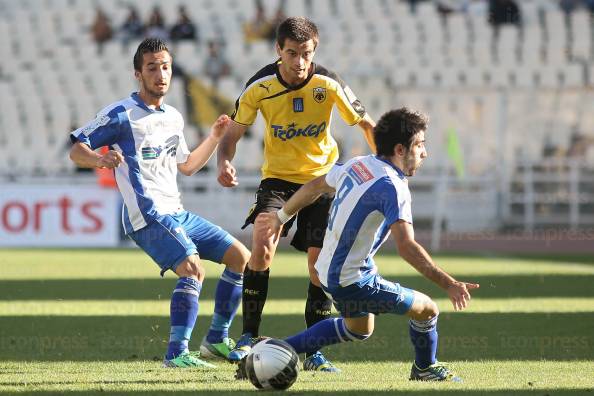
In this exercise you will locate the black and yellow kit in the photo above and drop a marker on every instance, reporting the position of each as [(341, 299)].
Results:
[(298, 145)]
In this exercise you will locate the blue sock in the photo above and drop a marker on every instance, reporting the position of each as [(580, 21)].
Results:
[(423, 335), (184, 311), (324, 333), (227, 299)]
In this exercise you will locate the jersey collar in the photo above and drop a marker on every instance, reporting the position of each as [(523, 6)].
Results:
[(143, 105), (294, 87), (397, 169)]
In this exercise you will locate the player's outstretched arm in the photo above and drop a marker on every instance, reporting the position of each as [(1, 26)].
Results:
[(305, 196), (201, 154), (417, 256), (227, 174), (84, 157), (367, 124)]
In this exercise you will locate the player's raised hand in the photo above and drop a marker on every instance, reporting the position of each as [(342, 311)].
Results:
[(459, 294), (111, 159), (220, 126), (227, 175)]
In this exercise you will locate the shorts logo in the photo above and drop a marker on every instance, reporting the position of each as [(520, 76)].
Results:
[(319, 94), (180, 230), (298, 105), (292, 131)]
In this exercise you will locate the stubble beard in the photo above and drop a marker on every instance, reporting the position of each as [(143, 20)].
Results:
[(412, 165), (152, 93)]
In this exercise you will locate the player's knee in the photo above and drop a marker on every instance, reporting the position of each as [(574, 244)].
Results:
[(423, 308), (262, 256), (236, 257), (245, 254), (236, 267), (267, 255), (191, 267), (360, 334), (429, 311), (360, 329)]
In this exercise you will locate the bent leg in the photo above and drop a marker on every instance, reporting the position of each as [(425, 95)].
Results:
[(236, 257), (382, 296), (423, 308), (423, 330), (166, 241), (363, 325), (329, 332), (215, 244), (309, 237), (184, 305), (227, 299)]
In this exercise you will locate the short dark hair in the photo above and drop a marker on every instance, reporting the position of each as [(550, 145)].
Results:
[(398, 126), (298, 29), (148, 46)]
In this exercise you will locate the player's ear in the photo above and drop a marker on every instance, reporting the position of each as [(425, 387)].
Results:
[(137, 75), (399, 150), (278, 48)]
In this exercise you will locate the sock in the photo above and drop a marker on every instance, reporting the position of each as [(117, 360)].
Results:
[(324, 333), (318, 306), (423, 335), (227, 297), (255, 291), (184, 311)]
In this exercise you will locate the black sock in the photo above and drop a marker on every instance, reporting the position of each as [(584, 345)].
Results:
[(318, 306), (255, 290)]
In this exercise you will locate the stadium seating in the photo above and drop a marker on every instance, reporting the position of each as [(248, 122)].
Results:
[(55, 78)]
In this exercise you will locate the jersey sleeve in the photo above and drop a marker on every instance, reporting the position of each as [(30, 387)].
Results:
[(104, 130), (334, 174), (246, 107), (349, 107), (397, 204)]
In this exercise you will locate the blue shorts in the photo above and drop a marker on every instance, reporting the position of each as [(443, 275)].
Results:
[(169, 239), (377, 296)]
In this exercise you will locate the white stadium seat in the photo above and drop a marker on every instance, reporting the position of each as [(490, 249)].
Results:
[(378, 47)]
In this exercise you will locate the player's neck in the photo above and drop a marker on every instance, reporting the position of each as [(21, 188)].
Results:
[(151, 101), (394, 160)]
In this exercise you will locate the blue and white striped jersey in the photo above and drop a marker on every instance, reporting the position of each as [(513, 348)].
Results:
[(371, 195), (152, 144)]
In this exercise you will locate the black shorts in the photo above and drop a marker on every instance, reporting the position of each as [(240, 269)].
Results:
[(311, 220)]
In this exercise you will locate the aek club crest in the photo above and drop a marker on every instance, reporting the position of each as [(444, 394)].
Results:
[(319, 94)]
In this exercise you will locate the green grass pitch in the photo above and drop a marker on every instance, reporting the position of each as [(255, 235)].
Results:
[(95, 322)]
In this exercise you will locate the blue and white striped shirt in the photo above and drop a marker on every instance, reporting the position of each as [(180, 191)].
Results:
[(152, 144), (371, 195)]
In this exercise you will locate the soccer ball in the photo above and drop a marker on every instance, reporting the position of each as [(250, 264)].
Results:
[(272, 364)]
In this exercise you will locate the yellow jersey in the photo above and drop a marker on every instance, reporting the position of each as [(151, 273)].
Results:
[(298, 145)]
